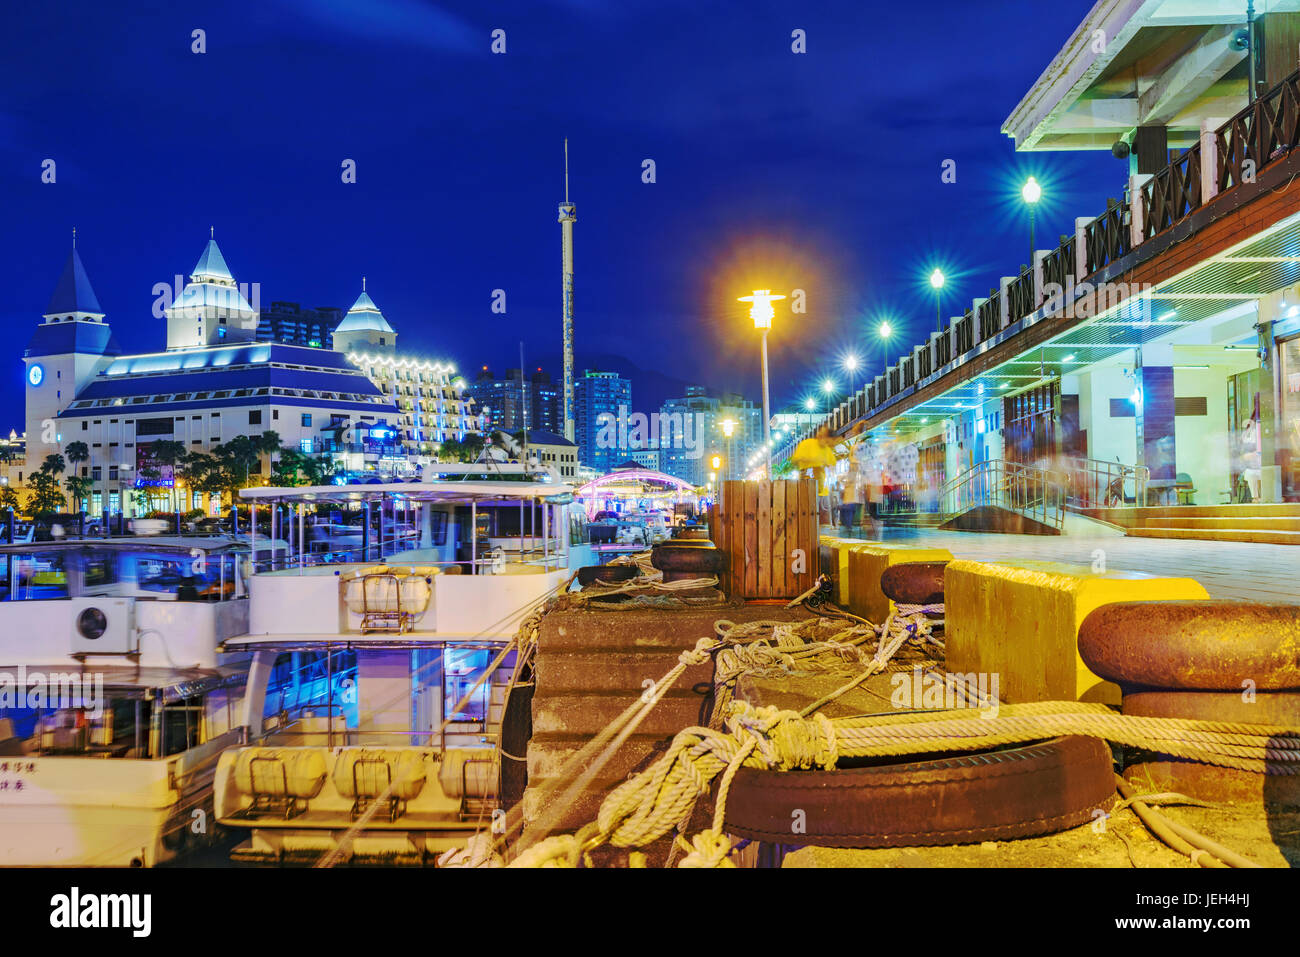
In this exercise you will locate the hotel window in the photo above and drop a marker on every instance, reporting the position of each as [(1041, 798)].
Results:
[(255, 417), (112, 473), (306, 420)]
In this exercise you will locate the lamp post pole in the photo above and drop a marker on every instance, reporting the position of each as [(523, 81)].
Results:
[(761, 312), (767, 415)]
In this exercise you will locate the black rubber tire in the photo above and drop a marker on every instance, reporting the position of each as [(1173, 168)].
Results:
[(516, 732), (997, 795)]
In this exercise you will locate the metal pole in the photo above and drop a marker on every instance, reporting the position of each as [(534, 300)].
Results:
[(473, 537), (252, 534), (1032, 244), (301, 535), (767, 417)]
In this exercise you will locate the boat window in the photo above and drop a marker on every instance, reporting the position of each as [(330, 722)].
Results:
[(99, 570), (34, 575), (461, 668), (308, 681), (182, 721), (73, 720)]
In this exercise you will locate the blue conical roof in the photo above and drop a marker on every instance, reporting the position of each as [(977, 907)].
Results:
[(364, 316), (212, 264), (73, 293)]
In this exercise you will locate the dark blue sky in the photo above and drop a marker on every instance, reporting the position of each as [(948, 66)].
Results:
[(819, 171)]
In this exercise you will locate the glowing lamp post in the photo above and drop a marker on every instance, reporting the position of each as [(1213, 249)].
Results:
[(1031, 193), (828, 387), (811, 405), (728, 429), (851, 367), (761, 311), (936, 283)]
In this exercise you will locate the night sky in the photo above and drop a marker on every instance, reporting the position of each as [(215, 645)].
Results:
[(818, 171)]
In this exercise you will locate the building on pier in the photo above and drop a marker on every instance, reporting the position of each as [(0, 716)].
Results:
[(1162, 335), (361, 404)]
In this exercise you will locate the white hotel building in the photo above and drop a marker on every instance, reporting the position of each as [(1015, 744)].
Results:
[(361, 403)]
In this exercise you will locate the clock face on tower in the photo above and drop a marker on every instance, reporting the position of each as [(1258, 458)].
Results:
[(35, 375)]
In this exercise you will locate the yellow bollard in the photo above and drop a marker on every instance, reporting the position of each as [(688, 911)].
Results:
[(1020, 621), (865, 562)]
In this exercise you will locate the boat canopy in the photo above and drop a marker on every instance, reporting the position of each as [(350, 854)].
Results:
[(445, 492)]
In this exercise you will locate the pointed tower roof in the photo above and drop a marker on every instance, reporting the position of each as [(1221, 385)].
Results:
[(73, 294), (364, 316), (212, 265), (211, 287)]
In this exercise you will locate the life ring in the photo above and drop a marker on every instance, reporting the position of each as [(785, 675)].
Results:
[(1023, 791), (1194, 645)]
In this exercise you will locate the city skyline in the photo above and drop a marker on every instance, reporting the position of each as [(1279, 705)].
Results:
[(666, 258)]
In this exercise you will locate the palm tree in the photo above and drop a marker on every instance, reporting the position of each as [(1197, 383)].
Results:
[(78, 487)]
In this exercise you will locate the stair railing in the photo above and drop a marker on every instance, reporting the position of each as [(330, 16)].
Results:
[(1035, 493), (1096, 483)]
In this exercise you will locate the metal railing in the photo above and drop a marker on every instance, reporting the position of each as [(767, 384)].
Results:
[(1094, 483), (1035, 493)]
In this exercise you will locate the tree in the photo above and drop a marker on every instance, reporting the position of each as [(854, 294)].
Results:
[(9, 498), (78, 487), (467, 450), (45, 494)]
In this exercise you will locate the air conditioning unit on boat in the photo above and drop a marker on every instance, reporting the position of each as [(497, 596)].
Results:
[(103, 626)]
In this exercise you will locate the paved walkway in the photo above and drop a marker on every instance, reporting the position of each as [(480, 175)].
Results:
[(1240, 570)]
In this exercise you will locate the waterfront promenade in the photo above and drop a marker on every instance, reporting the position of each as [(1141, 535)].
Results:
[(1238, 570)]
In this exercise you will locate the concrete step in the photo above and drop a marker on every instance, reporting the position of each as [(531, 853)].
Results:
[(1138, 517), (1254, 523), (547, 754), (588, 671), (579, 715), (1219, 535)]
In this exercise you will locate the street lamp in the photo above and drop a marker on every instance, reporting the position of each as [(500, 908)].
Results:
[(728, 429), (851, 366), (936, 283), (761, 311), (827, 388), (811, 405), (1031, 193)]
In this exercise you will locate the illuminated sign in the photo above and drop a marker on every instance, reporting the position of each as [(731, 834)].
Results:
[(149, 472)]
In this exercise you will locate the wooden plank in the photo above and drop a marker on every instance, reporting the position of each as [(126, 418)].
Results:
[(807, 534), (751, 540), (780, 584), (765, 539), (736, 540)]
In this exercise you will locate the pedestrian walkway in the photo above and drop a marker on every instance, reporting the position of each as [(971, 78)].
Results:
[(1239, 570)]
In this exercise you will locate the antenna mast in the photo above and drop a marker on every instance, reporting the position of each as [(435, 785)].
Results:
[(568, 215)]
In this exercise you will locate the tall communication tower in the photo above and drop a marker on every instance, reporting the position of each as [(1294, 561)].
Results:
[(568, 216)]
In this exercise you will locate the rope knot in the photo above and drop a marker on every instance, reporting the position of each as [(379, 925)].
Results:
[(783, 739), (707, 849), (698, 655)]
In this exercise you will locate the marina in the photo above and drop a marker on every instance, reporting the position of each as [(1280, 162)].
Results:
[(903, 476)]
